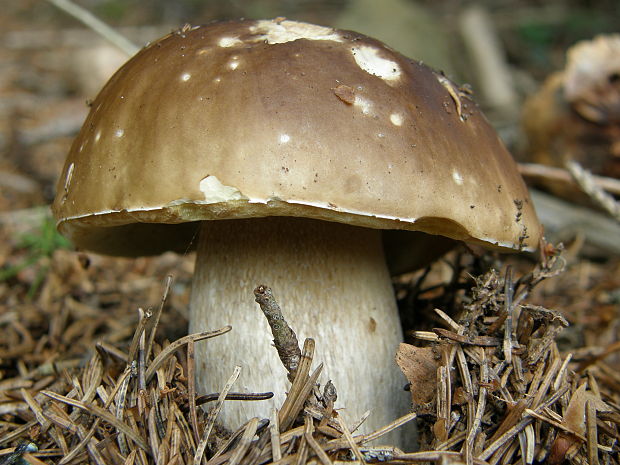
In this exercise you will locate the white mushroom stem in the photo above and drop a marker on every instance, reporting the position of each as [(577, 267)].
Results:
[(332, 284)]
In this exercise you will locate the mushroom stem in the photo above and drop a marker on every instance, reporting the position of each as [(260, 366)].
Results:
[(332, 284)]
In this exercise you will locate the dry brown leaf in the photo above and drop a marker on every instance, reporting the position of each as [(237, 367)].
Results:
[(419, 365), (575, 416), (575, 420)]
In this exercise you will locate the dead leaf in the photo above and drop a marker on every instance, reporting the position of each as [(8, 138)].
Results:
[(575, 420), (419, 365)]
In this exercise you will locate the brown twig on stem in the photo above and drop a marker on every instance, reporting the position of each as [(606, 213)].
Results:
[(284, 338)]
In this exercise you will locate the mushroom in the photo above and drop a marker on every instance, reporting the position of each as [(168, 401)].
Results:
[(283, 149)]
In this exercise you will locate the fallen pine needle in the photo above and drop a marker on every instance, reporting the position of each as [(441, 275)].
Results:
[(202, 445), (103, 414), (168, 351)]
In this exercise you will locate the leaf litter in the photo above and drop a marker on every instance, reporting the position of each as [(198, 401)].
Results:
[(488, 382)]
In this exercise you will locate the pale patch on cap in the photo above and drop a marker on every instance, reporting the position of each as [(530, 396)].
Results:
[(363, 104), (229, 42), (280, 32), (215, 192), (396, 119), (367, 58), (233, 64), (457, 178)]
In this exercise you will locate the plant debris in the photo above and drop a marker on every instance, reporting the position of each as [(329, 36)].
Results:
[(132, 400), (504, 393), (284, 337)]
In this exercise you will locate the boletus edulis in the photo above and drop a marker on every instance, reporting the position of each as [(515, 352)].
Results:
[(283, 150)]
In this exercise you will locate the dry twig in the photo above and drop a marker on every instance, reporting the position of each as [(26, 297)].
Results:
[(586, 181), (96, 25)]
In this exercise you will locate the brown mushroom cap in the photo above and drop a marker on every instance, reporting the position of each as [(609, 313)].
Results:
[(280, 118)]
